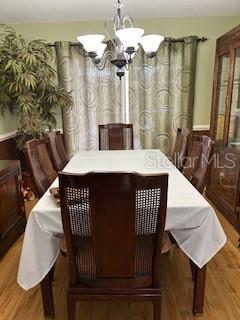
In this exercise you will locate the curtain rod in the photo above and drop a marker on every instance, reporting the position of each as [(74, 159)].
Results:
[(202, 39)]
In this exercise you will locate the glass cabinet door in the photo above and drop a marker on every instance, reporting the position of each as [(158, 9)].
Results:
[(222, 87), (234, 123)]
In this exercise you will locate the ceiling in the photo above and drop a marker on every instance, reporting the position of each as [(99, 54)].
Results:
[(77, 10)]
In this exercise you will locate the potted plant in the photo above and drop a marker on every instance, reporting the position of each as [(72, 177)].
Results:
[(28, 85)]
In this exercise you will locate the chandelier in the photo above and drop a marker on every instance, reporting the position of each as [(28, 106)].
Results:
[(126, 43)]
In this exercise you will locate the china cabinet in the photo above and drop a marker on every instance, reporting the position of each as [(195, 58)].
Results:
[(12, 213), (224, 184)]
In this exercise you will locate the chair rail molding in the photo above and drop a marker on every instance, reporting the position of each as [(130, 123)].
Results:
[(8, 135), (13, 134), (201, 127)]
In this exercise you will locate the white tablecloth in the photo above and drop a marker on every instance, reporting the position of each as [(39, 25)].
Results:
[(190, 218)]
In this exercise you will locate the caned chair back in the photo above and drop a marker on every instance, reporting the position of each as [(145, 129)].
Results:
[(198, 161), (40, 164), (180, 149), (114, 224), (57, 150), (115, 136)]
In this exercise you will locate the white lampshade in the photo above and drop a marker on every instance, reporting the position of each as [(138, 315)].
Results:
[(130, 37), (91, 42), (100, 50), (151, 43)]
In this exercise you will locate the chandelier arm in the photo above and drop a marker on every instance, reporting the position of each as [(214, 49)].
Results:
[(84, 55), (99, 67), (81, 50), (129, 19), (128, 60), (107, 32), (139, 60), (102, 65)]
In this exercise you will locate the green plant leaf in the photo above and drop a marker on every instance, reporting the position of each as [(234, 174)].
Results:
[(28, 85)]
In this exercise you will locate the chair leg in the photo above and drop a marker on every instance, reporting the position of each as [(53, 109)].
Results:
[(157, 309), (71, 307)]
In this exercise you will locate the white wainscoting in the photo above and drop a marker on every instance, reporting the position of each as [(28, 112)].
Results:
[(12, 134), (201, 127), (8, 135)]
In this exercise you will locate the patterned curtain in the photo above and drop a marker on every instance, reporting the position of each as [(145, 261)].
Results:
[(161, 93), (96, 97)]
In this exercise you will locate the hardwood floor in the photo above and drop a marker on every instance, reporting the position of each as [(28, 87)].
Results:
[(222, 298)]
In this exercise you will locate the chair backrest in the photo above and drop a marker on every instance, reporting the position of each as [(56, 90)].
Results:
[(114, 224), (40, 164), (198, 162), (115, 136), (180, 149), (57, 150)]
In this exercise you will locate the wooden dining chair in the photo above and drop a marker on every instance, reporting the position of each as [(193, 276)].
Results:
[(115, 136), (198, 162), (40, 164), (180, 148), (57, 149), (114, 236)]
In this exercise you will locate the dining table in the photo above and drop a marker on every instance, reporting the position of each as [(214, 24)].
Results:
[(190, 219)]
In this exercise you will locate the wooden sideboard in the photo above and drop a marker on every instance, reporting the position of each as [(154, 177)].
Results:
[(12, 213)]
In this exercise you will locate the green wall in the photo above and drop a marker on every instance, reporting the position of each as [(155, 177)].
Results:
[(8, 123), (210, 27)]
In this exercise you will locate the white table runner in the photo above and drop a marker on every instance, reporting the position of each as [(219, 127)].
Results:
[(190, 218)]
